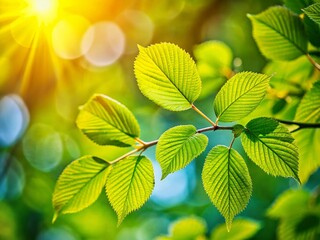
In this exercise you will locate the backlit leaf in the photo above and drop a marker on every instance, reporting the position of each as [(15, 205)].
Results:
[(178, 146), (300, 226), (214, 61), (297, 199), (309, 108), (168, 76), (188, 228), (279, 34), (80, 185), (214, 53), (308, 140), (130, 185), (108, 122), (241, 229), (226, 180), (313, 12), (271, 147), (240, 96)]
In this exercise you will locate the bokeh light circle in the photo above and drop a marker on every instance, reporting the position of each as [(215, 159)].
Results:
[(105, 42), (14, 119), (67, 36), (138, 28), (43, 147)]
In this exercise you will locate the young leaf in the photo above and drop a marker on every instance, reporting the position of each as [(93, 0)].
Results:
[(108, 122), (188, 228), (313, 12), (309, 108), (240, 96), (214, 61), (271, 147), (226, 180), (308, 140), (178, 146), (167, 75), (241, 229), (130, 185), (80, 185), (300, 226), (279, 34), (290, 199), (214, 53)]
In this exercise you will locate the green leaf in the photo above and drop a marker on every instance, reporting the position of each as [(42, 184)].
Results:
[(240, 96), (308, 140), (168, 76), (313, 12), (300, 226), (297, 199), (289, 76), (241, 229), (279, 34), (214, 61), (130, 185), (108, 122), (226, 180), (297, 5), (309, 108), (312, 30), (178, 146), (189, 228), (214, 53), (79, 185), (270, 146)]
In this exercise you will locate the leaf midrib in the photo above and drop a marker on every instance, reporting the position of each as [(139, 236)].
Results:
[(187, 140), (84, 186), (167, 76), (114, 126), (273, 152), (282, 35), (129, 188), (264, 78)]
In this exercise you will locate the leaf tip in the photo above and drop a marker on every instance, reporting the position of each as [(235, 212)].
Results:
[(228, 224), (164, 175), (55, 216), (140, 47), (250, 16)]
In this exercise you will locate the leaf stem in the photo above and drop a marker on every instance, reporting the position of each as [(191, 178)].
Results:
[(127, 155), (232, 142), (140, 141), (299, 124), (146, 145), (203, 115), (313, 62)]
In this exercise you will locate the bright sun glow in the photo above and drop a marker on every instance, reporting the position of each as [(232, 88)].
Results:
[(44, 9)]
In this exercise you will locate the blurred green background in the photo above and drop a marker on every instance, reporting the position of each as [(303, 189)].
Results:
[(48, 69)]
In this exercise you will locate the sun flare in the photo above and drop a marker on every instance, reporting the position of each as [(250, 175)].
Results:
[(46, 10)]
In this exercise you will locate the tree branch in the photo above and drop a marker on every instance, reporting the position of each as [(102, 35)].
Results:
[(146, 145), (299, 124)]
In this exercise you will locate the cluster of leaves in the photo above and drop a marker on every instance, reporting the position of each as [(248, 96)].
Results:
[(289, 36), (304, 221), (192, 228), (168, 76)]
